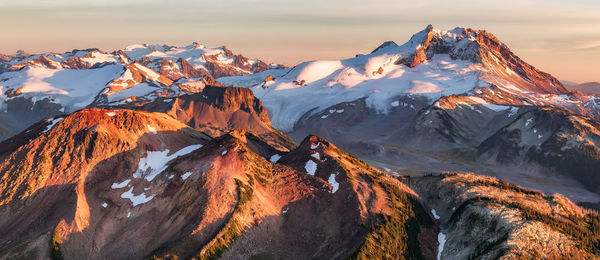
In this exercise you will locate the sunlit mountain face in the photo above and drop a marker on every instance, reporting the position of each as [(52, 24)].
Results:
[(446, 146)]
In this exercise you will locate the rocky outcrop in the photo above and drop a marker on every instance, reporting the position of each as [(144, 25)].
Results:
[(485, 218), (133, 74), (419, 56), (41, 61), (568, 144), (188, 71), (480, 46), (75, 63), (218, 110)]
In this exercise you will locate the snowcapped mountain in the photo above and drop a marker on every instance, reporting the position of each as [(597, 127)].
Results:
[(141, 153), (35, 86), (134, 184), (176, 61), (432, 64), (419, 105), (120, 183)]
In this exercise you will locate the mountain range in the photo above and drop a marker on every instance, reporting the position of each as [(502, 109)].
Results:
[(588, 87), (407, 152)]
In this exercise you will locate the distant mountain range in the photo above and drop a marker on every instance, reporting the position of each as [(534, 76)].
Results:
[(588, 87), (407, 152)]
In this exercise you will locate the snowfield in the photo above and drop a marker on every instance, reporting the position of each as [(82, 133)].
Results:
[(328, 83), (73, 89)]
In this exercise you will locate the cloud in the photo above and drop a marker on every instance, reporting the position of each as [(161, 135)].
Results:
[(587, 46)]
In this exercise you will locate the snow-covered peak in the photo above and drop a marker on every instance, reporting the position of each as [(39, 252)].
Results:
[(432, 64), (415, 42)]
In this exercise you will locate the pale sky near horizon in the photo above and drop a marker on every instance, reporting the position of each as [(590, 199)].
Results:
[(559, 37)]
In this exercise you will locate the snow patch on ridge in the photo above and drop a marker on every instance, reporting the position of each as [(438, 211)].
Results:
[(310, 167), (136, 199), (52, 122), (316, 156), (186, 175), (435, 215), (151, 129), (442, 242), (155, 162), (334, 184), (120, 185), (274, 158)]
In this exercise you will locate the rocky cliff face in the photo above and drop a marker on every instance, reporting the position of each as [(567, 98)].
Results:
[(485, 218), (480, 46), (123, 184), (567, 143), (218, 110)]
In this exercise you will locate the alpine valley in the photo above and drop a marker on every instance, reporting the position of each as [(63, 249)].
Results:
[(448, 146)]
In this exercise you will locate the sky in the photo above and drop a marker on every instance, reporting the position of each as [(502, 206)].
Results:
[(557, 36)]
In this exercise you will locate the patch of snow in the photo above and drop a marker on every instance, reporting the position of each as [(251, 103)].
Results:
[(316, 156), (442, 242), (284, 210), (334, 184), (435, 215), (136, 199), (120, 185), (224, 152), (395, 103), (52, 122), (310, 167), (151, 129), (528, 121), (512, 112), (129, 214), (315, 146), (104, 204), (186, 175), (324, 116), (275, 158), (155, 162), (339, 111), (111, 114)]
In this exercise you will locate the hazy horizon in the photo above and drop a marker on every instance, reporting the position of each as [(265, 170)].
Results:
[(560, 38)]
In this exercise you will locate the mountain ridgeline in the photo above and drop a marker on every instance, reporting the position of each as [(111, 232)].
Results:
[(408, 152)]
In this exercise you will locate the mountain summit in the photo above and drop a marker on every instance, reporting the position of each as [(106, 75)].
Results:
[(148, 153), (429, 105)]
